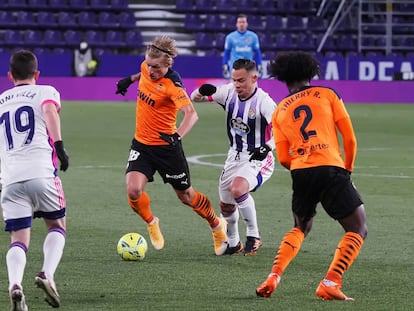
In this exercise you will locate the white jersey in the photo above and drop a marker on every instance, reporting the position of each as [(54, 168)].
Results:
[(26, 149), (248, 122)]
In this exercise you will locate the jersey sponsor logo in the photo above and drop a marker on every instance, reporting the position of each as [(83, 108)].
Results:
[(243, 49), (146, 98), (239, 127)]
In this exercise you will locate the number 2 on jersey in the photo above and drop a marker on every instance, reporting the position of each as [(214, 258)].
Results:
[(308, 117), (22, 121)]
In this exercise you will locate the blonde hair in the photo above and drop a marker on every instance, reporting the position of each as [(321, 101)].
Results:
[(163, 47)]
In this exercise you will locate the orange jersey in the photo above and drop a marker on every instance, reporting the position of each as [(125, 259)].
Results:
[(307, 122), (157, 105)]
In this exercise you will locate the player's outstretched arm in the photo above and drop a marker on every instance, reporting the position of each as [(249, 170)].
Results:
[(200, 94)]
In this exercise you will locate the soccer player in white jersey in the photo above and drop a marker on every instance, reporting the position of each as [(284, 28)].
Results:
[(241, 43), (30, 143), (250, 161)]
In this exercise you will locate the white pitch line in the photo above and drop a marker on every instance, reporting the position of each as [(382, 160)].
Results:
[(198, 159)]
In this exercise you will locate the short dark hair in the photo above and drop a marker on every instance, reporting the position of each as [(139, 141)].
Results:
[(23, 65), (244, 63), (294, 66)]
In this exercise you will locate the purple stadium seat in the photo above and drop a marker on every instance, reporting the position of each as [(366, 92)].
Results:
[(305, 41), (220, 40), (284, 41), (17, 4), (78, 4), (213, 22), (225, 6), (317, 23), (94, 38), (256, 22), (6, 18), (245, 6), (108, 19), (204, 40), (295, 22), (53, 38), (346, 43), (266, 41), (58, 4), (114, 39), (133, 39), (46, 19), (330, 42), (72, 37), (25, 19), (87, 19), (38, 4), (184, 5), (67, 19), (33, 37), (267, 6), (12, 37), (193, 22), (119, 4), (274, 22), (203, 6), (99, 4), (286, 6), (126, 20)]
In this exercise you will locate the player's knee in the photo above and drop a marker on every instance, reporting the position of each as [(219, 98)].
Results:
[(134, 193), (239, 187)]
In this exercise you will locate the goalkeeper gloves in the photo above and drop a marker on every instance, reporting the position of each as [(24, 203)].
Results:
[(123, 85), (62, 155), (172, 139), (259, 153), (226, 72)]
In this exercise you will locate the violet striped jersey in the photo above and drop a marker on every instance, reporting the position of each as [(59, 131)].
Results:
[(26, 149), (248, 122)]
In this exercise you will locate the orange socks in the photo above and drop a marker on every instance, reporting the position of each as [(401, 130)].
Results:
[(141, 206), (288, 249), (202, 206), (345, 254)]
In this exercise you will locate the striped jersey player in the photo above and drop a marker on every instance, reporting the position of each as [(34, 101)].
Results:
[(248, 114)]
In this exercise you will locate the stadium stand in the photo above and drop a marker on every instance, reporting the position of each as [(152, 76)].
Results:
[(46, 25)]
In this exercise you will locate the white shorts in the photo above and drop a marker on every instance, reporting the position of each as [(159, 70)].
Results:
[(237, 164), (40, 197)]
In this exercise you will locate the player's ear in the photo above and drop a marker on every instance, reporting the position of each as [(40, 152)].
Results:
[(36, 75), (10, 76)]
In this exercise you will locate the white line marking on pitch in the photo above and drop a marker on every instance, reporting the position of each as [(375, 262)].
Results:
[(198, 159)]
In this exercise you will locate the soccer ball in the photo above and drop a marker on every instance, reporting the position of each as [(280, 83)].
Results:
[(132, 246)]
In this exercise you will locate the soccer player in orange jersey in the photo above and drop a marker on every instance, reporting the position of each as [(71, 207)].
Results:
[(305, 128), (157, 146)]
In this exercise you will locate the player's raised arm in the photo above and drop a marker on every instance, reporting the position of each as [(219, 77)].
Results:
[(201, 94)]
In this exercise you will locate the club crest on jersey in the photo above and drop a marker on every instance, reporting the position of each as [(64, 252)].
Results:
[(239, 127), (252, 113), (159, 86)]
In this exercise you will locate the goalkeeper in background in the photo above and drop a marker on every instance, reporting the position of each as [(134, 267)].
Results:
[(157, 143), (241, 43), (250, 161)]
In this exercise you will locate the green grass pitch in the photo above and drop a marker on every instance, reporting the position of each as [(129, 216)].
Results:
[(186, 275)]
